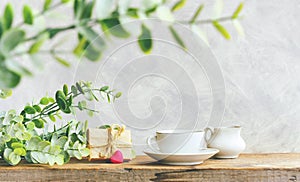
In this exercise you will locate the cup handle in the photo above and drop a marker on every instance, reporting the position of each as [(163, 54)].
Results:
[(150, 143), (208, 134)]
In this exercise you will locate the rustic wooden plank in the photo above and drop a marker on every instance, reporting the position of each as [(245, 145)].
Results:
[(248, 167)]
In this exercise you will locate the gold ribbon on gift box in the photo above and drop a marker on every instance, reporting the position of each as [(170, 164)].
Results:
[(104, 142)]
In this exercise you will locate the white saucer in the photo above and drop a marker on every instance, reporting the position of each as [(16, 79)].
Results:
[(182, 158)]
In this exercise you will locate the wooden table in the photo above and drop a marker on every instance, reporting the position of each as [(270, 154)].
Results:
[(248, 167)]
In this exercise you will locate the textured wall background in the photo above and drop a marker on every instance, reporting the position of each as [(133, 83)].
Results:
[(261, 73)]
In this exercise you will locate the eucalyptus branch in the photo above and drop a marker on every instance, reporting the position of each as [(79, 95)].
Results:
[(19, 138)]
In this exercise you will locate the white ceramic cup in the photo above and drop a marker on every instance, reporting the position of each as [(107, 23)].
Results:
[(177, 141)]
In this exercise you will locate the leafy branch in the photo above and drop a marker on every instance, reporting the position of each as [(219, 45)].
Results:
[(89, 15), (19, 136)]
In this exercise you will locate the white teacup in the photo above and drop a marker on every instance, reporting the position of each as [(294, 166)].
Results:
[(178, 141)]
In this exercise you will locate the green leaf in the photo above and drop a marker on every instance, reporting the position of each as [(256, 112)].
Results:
[(43, 144), (37, 108), (65, 89), (60, 159), (84, 152), (96, 40), (54, 31), (90, 113), (51, 99), (178, 5), (197, 13), (104, 127), (30, 125), (39, 123), (11, 39), (108, 97), (61, 101), (78, 86), (4, 93), (62, 61), (78, 8), (14, 159), (39, 157), (35, 47), (87, 10), (33, 143), (64, 1), (20, 151), (28, 15), (8, 17), (29, 110), (79, 49), (81, 105), (133, 12), (176, 37), (74, 90), (221, 29), (51, 117), (92, 53), (18, 118), (77, 154), (61, 141), (44, 101), (17, 145), (144, 40), (26, 136), (104, 88), (237, 11), (119, 94), (47, 5), (114, 26)]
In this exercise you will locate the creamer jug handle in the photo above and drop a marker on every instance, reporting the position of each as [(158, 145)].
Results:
[(208, 134)]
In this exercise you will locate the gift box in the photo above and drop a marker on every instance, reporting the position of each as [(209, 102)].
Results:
[(103, 142)]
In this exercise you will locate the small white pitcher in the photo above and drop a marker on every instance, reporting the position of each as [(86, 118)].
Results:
[(227, 139)]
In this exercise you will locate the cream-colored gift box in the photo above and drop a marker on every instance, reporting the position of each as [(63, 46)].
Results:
[(104, 142)]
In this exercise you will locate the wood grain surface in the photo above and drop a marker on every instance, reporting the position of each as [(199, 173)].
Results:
[(248, 167)]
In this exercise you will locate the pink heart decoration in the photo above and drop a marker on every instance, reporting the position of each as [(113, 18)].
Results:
[(117, 157)]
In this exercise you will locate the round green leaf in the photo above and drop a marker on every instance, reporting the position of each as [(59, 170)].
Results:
[(14, 159), (44, 101), (37, 108), (119, 94), (30, 125), (26, 136), (17, 145), (74, 90), (51, 100), (39, 123), (20, 151), (29, 110)]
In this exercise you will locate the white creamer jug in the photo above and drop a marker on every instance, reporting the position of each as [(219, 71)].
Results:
[(227, 139)]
